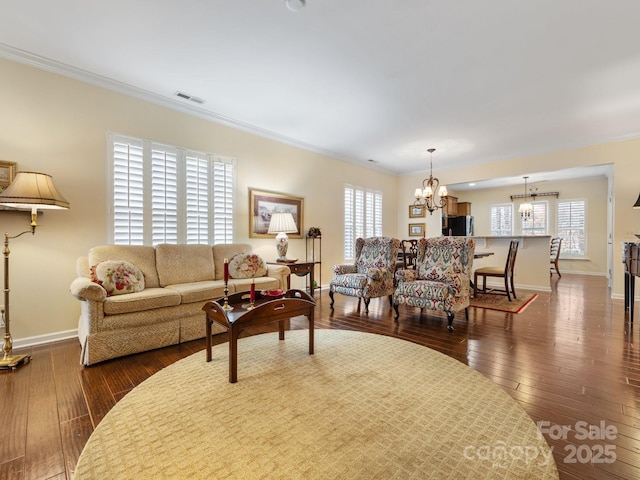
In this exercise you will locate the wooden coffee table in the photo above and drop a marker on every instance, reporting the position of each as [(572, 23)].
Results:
[(266, 310)]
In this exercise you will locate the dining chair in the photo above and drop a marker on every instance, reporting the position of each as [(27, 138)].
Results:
[(409, 253), (554, 254), (506, 273)]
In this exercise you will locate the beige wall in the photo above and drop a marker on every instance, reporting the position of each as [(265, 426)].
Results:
[(593, 190), (624, 156), (57, 125)]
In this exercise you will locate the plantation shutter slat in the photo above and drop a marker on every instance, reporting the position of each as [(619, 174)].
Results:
[(164, 194), (537, 223), (362, 216), (502, 220), (349, 225), (571, 218)]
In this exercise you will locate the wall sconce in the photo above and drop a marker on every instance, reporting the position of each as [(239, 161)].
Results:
[(34, 191)]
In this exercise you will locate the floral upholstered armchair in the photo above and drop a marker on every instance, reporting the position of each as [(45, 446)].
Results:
[(371, 275), (441, 280)]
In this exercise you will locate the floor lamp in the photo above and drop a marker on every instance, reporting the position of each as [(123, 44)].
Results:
[(34, 191)]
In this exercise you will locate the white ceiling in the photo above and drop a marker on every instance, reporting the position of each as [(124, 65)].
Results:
[(361, 79)]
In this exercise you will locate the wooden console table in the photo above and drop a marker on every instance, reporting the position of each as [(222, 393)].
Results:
[(266, 310), (300, 269)]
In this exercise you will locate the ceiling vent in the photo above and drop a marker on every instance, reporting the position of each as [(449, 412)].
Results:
[(191, 98)]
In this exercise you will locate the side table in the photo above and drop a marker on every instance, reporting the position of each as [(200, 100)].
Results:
[(300, 269)]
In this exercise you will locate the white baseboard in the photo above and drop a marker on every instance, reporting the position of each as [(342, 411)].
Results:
[(42, 339)]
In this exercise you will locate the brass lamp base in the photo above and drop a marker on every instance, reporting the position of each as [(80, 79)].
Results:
[(14, 361)]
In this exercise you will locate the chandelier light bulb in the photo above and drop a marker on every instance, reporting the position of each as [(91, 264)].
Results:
[(426, 196)]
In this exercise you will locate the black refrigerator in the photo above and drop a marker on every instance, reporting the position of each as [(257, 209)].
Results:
[(459, 226)]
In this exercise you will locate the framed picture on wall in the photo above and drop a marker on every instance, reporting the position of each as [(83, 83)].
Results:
[(7, 172), (263, 204), (417, 229), (416, 211)]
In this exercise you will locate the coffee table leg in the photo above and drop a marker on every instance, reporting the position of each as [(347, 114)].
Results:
[(281, 329), (208, 335), (311, 331), (233, 355)]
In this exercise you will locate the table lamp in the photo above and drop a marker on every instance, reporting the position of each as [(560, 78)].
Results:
[(281, 224), (29, 190)]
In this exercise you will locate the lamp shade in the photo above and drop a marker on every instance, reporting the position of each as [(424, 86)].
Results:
[(33, 191), (282, 223), (637, 204)]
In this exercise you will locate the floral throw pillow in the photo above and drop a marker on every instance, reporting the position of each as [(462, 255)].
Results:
[(118, 277), (247, 265)]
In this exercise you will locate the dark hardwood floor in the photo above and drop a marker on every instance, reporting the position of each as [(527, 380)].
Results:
[(569, 358)]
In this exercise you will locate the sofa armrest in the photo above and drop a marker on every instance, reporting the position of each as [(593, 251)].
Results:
[(84, 289), (406, 275), (378, 273), (459, 284), (277, 270), (344, 269)]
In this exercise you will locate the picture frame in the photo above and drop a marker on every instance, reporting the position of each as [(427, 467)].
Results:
[(7, 172), (417, 229), (262, 204), (417, 211)]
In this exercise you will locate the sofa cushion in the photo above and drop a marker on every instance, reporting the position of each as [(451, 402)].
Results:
[(184, 264), (141, 256), (261, 283), (228, 251), (118, 277), (247, 265), (147, 299), (199, 291)]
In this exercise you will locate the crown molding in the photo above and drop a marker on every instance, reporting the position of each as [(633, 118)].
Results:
[(46, 64)]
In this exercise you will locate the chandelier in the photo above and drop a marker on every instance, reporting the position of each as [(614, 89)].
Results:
[(526, 209), (426, 196)]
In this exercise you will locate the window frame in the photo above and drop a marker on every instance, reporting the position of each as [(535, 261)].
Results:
[(501, 232), (364, 223), (566, 243), (219, 190), (533, 230)]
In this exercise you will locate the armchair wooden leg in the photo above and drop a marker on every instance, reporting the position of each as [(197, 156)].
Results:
[(450, 316), (475, 285), (366, 305), (395, 307), (331, 297)]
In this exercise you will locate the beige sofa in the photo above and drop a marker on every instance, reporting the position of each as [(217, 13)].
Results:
[(178, 281)]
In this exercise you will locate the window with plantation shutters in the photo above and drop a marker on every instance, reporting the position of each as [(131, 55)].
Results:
[(571, 218), (165, 194), (362, 216), (502, 220), (536, 224)]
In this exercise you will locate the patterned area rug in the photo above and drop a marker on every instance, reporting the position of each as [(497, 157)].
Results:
[(502, 303), (364, 406)]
